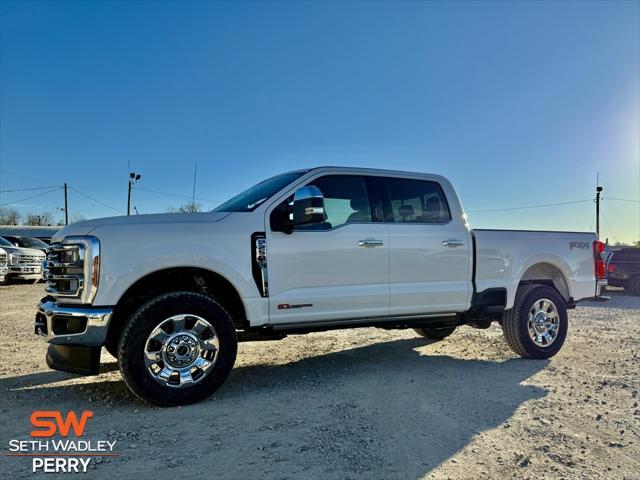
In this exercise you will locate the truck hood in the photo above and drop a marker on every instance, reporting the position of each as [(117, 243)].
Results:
[(176, 219)]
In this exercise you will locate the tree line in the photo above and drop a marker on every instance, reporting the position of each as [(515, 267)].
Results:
[(11, 216)]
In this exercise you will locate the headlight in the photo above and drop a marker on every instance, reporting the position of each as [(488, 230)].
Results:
[(73, 269)]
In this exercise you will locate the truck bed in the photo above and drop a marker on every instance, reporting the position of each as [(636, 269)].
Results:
[(506, 257)]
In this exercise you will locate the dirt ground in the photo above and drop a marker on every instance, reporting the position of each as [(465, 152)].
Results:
[(365, 403)]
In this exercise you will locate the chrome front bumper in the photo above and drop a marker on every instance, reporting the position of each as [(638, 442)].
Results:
[(72, 325), (27, 272)]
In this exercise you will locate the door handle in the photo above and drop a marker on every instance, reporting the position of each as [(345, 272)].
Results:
[(370, 243), (453, 243)]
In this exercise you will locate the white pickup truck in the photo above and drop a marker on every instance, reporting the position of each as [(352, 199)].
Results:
[(170, 295)]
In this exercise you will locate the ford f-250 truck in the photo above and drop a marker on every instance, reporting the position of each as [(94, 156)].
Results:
[(170, 295)]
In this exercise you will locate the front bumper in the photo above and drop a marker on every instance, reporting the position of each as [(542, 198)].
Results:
[(75, 335), (26, 269), (82, 326)]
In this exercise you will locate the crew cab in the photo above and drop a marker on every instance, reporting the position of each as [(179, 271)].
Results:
[(170, 295)]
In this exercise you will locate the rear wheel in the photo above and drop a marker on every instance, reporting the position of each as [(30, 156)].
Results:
[(634, 285), (536, 326), (435, 333), (177, 349)]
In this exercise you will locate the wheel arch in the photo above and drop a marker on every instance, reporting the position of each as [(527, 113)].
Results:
[(546, 272), (190, 279)]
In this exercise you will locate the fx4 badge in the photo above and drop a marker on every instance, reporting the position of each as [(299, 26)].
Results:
[(579, 245)]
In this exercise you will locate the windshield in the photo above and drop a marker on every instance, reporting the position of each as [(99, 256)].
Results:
[(5, 243), (31, 242), (253, 197)]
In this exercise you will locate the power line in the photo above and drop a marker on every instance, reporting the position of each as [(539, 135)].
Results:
[(32, 196), (95, 200), (531, 206), (608, 226), (621, 199), (189, 197), (28, 189)]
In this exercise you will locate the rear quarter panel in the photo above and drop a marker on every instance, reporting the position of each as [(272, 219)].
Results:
[(503, 257)]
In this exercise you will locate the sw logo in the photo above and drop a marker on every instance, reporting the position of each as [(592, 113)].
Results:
[(44, 421)]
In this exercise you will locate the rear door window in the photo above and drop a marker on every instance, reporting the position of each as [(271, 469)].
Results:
[(416, 201)]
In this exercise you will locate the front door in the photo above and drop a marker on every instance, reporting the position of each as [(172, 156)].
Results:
[(335, 270)]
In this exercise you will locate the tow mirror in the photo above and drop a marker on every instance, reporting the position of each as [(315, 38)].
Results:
[(308, 206), (307, 209)]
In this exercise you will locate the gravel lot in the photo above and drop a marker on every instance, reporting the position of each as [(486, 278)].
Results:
[(364, 403)]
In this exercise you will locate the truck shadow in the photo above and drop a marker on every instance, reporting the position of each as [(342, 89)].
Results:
[(386, 410)]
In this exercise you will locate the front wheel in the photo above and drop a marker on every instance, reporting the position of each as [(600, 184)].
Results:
[(177, 349), (536, 326)]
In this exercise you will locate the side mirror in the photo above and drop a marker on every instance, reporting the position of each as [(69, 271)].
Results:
[(307, 209), (308, 206)]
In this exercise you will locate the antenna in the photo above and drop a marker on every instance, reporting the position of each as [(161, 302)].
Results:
[(193, 196)]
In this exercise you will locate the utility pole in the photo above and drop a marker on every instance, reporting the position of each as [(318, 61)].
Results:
[(66, 205), (133, 178), (598, 190)]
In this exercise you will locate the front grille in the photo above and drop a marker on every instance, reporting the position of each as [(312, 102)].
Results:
[(65, 270), (3, 259), (30, 260)]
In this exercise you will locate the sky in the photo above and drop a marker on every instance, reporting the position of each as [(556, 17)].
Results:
[(517, 103)]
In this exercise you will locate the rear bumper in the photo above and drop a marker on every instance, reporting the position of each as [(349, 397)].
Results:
[(598, 297), (79, 326)]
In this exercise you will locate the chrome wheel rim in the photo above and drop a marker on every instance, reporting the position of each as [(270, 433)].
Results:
[(543, 323), (181, 350)]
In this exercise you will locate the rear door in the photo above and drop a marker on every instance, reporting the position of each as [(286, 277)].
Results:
[(429, 249), (335, 270)]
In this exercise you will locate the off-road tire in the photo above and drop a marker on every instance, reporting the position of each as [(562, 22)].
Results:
[(515, 321), (435, 333), (146, 319)]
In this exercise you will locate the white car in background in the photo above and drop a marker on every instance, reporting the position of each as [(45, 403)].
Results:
[(4, 258), (22, 263)]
